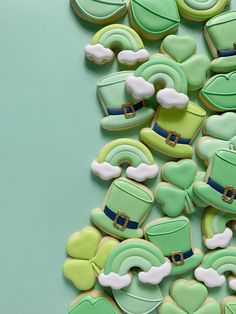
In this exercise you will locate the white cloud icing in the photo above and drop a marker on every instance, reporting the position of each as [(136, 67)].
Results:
[(114, 280), (209, 276), (170, 98), (155, 274), (139, 88), (142, 172), (232, 284), (105, 170), (219, 240), (131, 57), (98, 53)]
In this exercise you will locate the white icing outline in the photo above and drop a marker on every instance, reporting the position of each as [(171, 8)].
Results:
[(169, 98), (105, 170), (209, 276), (155, 274), (114, 280), (131, 57), (142, 172), (219, 240), (232, 284), (139, 88), (98, 53)]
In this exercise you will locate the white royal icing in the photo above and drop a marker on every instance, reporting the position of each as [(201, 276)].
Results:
[(142, 172), (114, 280), (105, 170), (209, 276), (139, 88), (232, 284), (131, 57), (98, 53), (170, 98), (155, 274), (219, 240)]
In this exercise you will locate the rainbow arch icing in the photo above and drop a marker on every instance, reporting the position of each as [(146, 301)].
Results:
[(201, 5), (125, 151), (123, 37), (134, 253), (215, 265), (215, 230)]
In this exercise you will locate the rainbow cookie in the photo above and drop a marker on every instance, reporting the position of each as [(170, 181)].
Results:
[(228, 305), (221, 37), (218, 187), (183, 50), (87, 252), (126, 206), (93, 302), (201, 10), (214, 265), (220, 132), (99, 11), (216, 228), (154, 19), (141, 164), (173, 237), (160, 70), (121, 110), (134, 253), (132, 51), (219, 92)]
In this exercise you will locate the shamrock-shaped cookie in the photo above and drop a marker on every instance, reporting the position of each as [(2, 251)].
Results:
[(180, 177), (183, 50), (189, 297), (87, 252), (220, 132)]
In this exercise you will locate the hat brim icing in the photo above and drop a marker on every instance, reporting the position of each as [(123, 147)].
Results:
[(189, 263), (224, 64)]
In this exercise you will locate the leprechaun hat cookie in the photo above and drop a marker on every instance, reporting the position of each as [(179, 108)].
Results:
[(121, 109), (141, 164), (123, 37)]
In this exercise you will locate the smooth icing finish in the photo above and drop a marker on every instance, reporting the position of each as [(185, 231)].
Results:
[(141, 164), (182, 49), (127, 202), (154, 19), (134, 253), (215, 265), (229, 305), (219, 92), (169, 98), (189, 297), (220, 132), (180, 177), (87, 252), (173, 237), (100, 49), (138, 298)]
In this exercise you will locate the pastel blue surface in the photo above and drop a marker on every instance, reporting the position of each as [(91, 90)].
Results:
[(49, 134)]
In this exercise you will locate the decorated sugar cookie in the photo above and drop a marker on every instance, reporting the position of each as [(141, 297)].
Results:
[(87, 252), (126, 206), (141, 164), (173, 237), (154, 19), (214, 265), (132, 51), (93, 302), (180, 177), (221, 37), (219, 92), (160, 70), (229, 305), (134, 253), (183, 50), (189, 296), (138, 297), (217, 228), (220, 132), (121, 110), (218, 187), (99, 11), (201, 10), (173, 130)]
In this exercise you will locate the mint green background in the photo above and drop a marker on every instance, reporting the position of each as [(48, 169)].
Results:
[(49, 134)]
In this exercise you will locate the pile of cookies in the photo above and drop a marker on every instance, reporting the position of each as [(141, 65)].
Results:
[(136, 256)]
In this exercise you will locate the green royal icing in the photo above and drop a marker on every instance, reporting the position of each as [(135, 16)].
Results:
[(221, 258), (201, 4)]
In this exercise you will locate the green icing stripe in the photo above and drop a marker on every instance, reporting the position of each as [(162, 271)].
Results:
[(90, 305), (218, 258), (201, 4), (134, 261)]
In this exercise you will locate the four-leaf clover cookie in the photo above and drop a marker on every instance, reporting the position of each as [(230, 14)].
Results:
[(87, 252), (176, 194)]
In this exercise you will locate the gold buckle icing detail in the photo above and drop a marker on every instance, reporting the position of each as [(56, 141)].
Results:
[(169, 141), (127, 114), (173, 256), (225, 197), (115, 222)]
